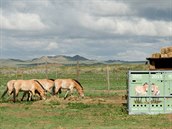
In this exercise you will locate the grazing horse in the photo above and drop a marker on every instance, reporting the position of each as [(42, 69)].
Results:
[(141, 91), (30, 86), (155, 92), (9, 88), (70, 85), (46, 83)]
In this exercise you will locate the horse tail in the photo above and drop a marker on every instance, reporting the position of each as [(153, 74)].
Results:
[(78, 83), (40, 85), (14, 95), (60, 90), (4, 93), (53, 90)]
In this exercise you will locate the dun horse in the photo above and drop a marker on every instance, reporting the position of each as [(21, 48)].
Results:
[(70, 85), (46, 83), (30, 86), (9, 88), (141, 91)]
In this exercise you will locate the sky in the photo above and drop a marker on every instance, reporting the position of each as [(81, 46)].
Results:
[(128, 30)]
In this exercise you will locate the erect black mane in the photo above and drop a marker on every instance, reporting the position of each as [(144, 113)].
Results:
[(78, 83), (51, 79), (40, 85)]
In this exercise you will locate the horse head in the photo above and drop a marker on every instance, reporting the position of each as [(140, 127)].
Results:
[(81, 93), (79, 88), (146, 86), (155, 90), (153, 87)]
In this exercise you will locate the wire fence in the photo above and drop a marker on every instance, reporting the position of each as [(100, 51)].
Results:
[(92, 77)]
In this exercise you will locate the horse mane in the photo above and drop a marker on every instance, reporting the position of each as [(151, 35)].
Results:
[(78, 83), (51, 79), (40, 85), (146, 83)]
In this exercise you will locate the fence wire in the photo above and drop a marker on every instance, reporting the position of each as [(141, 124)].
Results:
[(92, 77)]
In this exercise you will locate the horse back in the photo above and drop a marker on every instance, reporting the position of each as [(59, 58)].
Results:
[(140, 89), (64, 83), (24, 85)]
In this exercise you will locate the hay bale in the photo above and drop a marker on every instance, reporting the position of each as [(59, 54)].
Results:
[(164, 50), (164, 55), (169, 54), (156, 55), (169, 49)]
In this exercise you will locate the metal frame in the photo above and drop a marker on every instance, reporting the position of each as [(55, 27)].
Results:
[(150, 108)]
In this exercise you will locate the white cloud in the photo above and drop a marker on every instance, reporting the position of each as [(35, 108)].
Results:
[(95, 28), (51, 46), (107, 7), (21, 21), (129, 26)]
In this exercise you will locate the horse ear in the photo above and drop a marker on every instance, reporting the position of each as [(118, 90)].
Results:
[(145, 83)]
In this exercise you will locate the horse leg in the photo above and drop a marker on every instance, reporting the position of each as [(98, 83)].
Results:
[(71, 92), (146, 100), (29, 96), (24, 94), (14, 95), (140, 100), (59, 91), (66, 94)]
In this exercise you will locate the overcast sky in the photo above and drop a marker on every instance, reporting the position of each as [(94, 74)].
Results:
[(95, 29)]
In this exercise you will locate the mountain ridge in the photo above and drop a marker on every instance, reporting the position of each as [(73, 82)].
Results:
[(58, 59)]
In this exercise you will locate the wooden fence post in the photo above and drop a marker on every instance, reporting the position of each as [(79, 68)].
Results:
[(46, 68), (77, 70), (108, 77)]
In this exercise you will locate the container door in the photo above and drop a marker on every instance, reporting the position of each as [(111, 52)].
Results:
[(138, 100)]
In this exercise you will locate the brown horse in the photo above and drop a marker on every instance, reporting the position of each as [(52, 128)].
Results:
[(30, 86), (46, 83), (70, 85), (9, 88)]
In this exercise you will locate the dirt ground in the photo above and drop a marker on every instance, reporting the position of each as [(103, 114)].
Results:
[(120, 100)]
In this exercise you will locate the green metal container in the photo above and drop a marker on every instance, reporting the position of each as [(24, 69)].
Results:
[(149, 92)]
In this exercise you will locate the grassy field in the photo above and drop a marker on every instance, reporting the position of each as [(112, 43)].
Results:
[(100, 109)]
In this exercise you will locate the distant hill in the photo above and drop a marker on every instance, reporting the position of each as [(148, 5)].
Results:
[(124, 62), (59, 59)]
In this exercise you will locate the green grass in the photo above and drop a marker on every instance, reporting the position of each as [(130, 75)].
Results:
[(78, 114)]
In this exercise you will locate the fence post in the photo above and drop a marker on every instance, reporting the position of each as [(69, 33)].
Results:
[(46, 67), (77, 70), (17, 73), (108, 77)]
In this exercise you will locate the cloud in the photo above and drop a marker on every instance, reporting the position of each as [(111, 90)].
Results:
[(51, 46), (106, 29), (129, 26), (106, 8), (21, 21)]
